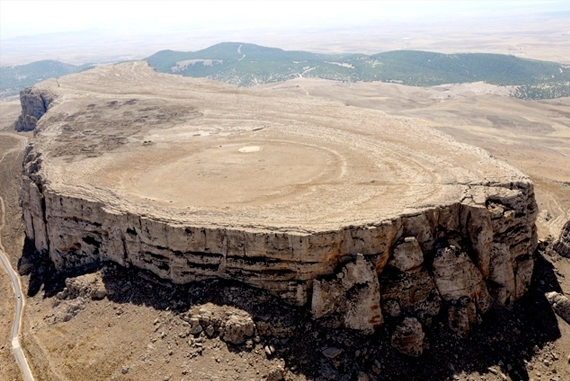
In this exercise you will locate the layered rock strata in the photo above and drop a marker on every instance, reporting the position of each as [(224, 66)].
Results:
[(365, 216), (35, 102)]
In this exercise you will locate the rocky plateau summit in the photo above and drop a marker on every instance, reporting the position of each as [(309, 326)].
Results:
[(360, 216)]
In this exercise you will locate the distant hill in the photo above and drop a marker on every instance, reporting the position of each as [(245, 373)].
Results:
[(248, 64), (15, 78)]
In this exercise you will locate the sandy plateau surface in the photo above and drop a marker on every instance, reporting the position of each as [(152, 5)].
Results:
[(533, 136), (213, 155), (138, 330)]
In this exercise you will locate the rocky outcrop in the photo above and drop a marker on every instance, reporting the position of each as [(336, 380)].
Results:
[(84, 286), (232, 325), (73, 298), (407, 288), (77, 232), (352, 299), (492, 256), (35, 103), (462, 287), (562, 245), (560, 304)]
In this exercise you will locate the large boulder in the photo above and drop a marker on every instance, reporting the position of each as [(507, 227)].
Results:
[(560, 304), (408, 338), (562, 245), (233, 325)]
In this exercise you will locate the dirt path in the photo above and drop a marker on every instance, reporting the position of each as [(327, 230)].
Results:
[(16, 284), (239, 51)]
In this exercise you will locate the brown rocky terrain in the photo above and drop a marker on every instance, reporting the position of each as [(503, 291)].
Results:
[(9, 370), (128, 323)]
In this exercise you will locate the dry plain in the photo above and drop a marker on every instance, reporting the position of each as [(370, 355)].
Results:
[(134, 334), (9, 370)]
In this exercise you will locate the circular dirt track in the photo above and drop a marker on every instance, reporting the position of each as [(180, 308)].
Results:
[(201, 152)]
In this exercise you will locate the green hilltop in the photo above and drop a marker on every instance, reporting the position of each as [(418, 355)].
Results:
[(15, 78), (248, 64), (245, 64)]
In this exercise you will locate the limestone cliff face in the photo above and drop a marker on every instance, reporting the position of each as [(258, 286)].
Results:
[(353, 298), (35, 103), (456, 257)]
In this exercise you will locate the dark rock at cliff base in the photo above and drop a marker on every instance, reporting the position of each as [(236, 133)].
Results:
[(408, 337), (562, 245)]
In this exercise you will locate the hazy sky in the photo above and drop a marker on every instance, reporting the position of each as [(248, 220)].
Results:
[(110, 31), (19, 18)]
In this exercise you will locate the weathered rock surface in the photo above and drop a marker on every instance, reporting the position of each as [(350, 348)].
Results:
[(407, 255), (276, 374), (560, 304), (461, 285), (237, 328), (406, 286), (84, 286), (353, 298), (562, 245), (408, 338), (410, 293), (72, 299), (192, 179), (233, 325), (35, 103)]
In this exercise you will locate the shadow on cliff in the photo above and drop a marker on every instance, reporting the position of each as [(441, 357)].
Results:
[(37, 267), (504, 342), (508, 337), (42, 273)]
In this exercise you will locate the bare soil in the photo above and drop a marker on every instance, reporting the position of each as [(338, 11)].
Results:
[(8, 368), (9, 175)]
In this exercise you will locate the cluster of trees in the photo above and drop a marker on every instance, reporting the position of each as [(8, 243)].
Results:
[(549, 90)]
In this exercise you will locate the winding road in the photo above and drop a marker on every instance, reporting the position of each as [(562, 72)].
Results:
[(17, 286), (239, 51)]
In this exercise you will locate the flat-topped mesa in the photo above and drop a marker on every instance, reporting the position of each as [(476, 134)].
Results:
[(193, 179)]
